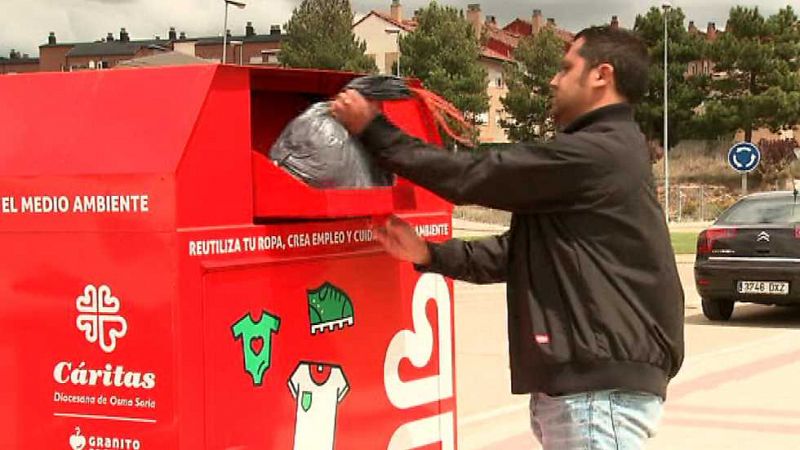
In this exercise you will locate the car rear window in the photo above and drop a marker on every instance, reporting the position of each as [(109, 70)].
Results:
[(762, 210)]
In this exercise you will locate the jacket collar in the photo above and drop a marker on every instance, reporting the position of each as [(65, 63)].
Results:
[(615, 112)]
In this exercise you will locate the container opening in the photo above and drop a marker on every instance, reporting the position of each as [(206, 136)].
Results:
[(278, 96), (271, 112)]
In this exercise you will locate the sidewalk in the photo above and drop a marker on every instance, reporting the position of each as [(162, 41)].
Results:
[(466, 229)]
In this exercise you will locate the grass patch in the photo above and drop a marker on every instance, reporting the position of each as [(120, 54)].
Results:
[(684, 242)]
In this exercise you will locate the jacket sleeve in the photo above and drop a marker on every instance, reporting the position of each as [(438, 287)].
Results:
[(481, 262), (527, 178)]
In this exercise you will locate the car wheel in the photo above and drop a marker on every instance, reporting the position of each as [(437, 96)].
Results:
[(717, 309)]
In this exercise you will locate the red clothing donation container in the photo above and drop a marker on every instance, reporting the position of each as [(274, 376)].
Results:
[(165, 286)]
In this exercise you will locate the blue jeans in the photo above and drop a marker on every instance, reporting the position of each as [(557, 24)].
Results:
[(600, 420)]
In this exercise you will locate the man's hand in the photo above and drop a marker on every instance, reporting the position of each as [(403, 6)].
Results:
[(401, 241), (354, 111)]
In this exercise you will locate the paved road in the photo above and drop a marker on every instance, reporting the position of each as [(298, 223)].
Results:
[(739, 387)]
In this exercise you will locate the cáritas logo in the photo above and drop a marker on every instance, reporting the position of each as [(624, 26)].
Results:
[(100, 321), (98, 317)]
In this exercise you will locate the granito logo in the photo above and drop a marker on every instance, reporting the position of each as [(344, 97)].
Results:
[(80, 442), (98, 317)]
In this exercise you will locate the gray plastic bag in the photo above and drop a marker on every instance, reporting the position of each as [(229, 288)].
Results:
[(380, 87), (319, 150)]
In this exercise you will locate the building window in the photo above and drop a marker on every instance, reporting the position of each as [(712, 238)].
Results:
[(499, 82), (269, 56)]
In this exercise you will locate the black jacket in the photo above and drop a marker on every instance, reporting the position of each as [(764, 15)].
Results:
[(594, 298)]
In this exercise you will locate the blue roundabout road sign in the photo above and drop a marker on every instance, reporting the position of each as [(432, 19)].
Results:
[(744, 157)]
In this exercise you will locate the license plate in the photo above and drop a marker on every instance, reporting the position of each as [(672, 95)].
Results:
[(763, 287)]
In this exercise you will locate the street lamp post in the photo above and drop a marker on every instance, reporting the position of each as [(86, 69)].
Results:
[(666, 6), (397, 32), (239, 5)]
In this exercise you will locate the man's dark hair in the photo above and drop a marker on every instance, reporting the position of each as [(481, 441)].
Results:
[(623, 50)]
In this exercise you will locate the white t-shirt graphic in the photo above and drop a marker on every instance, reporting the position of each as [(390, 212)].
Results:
[(318, 389)]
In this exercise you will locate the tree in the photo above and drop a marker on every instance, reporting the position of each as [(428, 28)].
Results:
[(443, 52), (527, 102), (777, 161), (320, 35), (685, 93), (759, 61)]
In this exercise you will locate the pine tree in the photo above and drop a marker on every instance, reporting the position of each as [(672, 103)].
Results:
[(443, 52), (758, 61), (320, 35), (685, 93), (527, 103)]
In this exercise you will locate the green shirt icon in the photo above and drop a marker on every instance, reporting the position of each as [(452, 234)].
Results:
[(256, 340)]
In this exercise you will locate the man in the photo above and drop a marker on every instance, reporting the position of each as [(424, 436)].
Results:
[(595, 305)]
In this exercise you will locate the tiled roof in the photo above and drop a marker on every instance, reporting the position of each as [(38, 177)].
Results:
[(503, 36), (506, 37), (60, 44), (113, 48), (704, 34), (566, 36), (406, 25), (20, 60), (216, 40), (254, 38), (489, 53), (277, 37)]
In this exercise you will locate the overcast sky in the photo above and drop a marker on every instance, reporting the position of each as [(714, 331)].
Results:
[(26, 23)]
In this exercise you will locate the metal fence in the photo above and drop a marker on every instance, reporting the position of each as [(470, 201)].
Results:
[(696, 203)]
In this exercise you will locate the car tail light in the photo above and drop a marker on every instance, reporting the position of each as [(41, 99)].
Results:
[(706, 239), (797, 231)]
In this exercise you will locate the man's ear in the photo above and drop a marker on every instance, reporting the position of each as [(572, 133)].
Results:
[(603, 75)]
